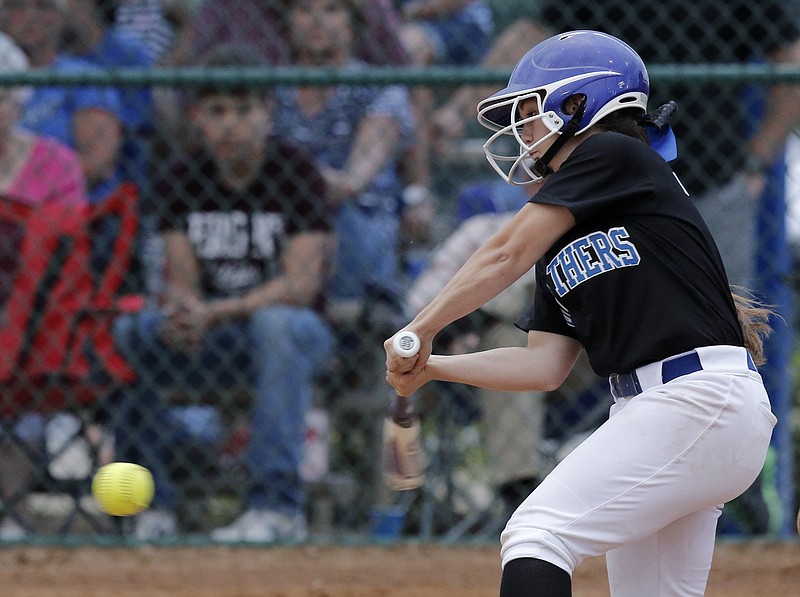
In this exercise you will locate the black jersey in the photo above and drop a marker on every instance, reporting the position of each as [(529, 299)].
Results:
[(638, 278)]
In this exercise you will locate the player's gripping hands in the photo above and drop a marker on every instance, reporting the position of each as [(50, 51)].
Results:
[(406, 374)]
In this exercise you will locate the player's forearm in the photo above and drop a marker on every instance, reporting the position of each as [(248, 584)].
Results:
[(501, 261), (471, 287), (510, 369), (490, 270)]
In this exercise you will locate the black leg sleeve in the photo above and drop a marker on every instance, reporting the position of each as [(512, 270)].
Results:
[(529, 577)]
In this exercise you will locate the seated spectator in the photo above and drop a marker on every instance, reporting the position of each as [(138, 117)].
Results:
[(446, 32), (87, 119), (33, 170), (262, 24), (376, 32), (160, 25), (440, 32), (88, 33), (246, 237), (514, 422), (357, 135)]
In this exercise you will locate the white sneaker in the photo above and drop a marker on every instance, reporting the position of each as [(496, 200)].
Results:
[(152, 525), (11, 530), (262, 526)]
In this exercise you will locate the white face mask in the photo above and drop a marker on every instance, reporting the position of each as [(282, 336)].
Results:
[(515, 164)]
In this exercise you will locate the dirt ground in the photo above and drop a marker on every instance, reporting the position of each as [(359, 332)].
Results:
[(740, 570)]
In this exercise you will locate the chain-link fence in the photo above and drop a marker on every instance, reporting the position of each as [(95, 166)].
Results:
[(213, 217)]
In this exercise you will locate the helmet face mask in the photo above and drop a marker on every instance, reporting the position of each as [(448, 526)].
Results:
[(598, 66), (521, 160)]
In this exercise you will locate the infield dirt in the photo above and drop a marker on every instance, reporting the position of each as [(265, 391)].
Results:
[(408, 570)]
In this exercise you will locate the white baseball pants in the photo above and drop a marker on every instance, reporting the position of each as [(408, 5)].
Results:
[(646, 488)]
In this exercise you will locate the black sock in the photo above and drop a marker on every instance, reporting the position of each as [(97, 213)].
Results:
[(529, 577)]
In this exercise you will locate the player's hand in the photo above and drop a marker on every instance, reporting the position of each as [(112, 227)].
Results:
[(405, 384), (396, 363)]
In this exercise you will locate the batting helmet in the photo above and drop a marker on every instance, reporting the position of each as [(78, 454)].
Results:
[(607, 71)]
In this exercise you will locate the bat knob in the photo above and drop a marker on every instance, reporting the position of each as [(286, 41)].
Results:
[(406, 343)]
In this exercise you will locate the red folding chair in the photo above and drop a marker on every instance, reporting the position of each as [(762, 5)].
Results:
[(56, 348)]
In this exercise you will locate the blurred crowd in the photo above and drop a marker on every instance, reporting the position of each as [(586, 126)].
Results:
[(284, 232)]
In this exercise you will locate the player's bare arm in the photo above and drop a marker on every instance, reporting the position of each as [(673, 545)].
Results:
[(506, 256), (542, 365)]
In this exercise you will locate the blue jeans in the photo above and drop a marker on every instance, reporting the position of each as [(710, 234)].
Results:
[(279, 351), (366, 252)]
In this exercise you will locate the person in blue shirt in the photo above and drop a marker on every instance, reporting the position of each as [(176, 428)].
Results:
[(357, 134), (88, 33)]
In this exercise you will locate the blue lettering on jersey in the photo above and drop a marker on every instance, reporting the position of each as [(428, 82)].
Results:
[(590, 256)]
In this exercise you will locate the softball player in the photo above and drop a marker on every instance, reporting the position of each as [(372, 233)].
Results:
[(626, 270)]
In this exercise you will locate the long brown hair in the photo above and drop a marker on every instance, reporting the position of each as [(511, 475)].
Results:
[(754, 319), (625, 121)]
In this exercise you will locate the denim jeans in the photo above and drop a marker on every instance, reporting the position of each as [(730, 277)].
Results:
[(279, 351), (367, 250)]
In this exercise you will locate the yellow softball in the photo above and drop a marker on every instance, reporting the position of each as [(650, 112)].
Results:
[(123, 488)]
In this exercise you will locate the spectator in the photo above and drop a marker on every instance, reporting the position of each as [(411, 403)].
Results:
[(376, 31), (161, 25), (33, 170), (446, 31), (246, 233), (262, 24), (440, 32), (357, 134), (88, 33), (87, 119), (724, 167), (513, 422)]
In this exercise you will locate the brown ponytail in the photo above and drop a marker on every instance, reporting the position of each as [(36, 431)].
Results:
[(754, 321)]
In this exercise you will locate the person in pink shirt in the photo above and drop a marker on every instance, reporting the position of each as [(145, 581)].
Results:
[(33, 169), (48, 171)]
